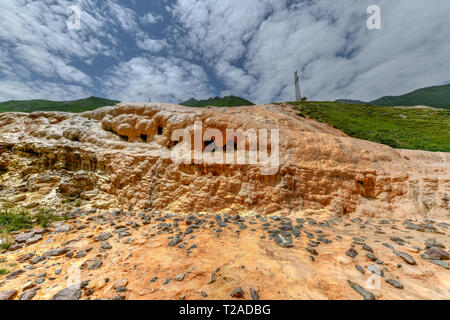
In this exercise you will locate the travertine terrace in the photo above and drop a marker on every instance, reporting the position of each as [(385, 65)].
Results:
[(338, 212), (120, 157)]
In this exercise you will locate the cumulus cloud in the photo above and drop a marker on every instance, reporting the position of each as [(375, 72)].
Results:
[(149, 18), (20, 90), (246, 48), (163, 80), (42, 49), (255, 46)]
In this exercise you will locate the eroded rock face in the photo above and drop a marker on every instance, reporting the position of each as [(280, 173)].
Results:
[(120, 157)]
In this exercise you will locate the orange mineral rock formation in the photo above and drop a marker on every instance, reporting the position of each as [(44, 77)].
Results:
[(121, 157)]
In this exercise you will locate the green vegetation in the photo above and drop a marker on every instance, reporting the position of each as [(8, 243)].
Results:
[(44, 218), (230, 101), (403, 128), (82, 105), (13, 219), (3, 272), (17, 218), (437, 96)]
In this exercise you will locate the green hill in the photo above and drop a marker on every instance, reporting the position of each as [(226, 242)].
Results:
[(82, 105), (437, 96), (230, 101), (402, 128)]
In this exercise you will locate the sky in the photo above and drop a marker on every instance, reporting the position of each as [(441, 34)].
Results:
[(173, 50)]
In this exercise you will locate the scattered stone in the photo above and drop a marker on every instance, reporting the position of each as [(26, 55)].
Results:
[(359, 268), (70, 293), (371, 256), (56, 252), (23, 237), (121, 283), (25, 257), (367, 295), (7, 295), (105, 245), (213, 278), (80, 254), (29, 294), (432, 243), (64, 228), (28, 285), (254, 294), (394, 283), (37, 259), (312, 251), (15, 247), (406, 257), (179, 277), (175, 241), (103, 237), (351, 253), (440, 263), (237, 293), (14, 274), (437, 254), (374, 269), (34, 239), (92, 265)]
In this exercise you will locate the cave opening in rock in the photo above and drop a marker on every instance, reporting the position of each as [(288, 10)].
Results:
[(230, 146), (144, 137), (160, 130), (123, 138), (172, 144), (210, 146)]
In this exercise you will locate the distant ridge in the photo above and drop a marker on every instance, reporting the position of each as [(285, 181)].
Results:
[(230, 101), (436, 97), (81, 105), (351, 101)]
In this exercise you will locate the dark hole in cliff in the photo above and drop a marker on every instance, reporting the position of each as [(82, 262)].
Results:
[(124, 138), (31, 152), (173, 144), (230, 146), (361, 183), (160, 130), (210, 146), (144, 137)]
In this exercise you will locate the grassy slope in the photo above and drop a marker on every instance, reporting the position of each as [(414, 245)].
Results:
[(82, 105), (420, 129), (230, 101), (437, 96)]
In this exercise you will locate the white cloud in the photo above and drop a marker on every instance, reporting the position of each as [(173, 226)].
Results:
[(255, 46), (251, 48), (152, 45), (20, 90), (163, 80), (126, 17), (151, 19)]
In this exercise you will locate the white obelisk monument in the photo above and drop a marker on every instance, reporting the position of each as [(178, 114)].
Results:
[(298, 95)]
